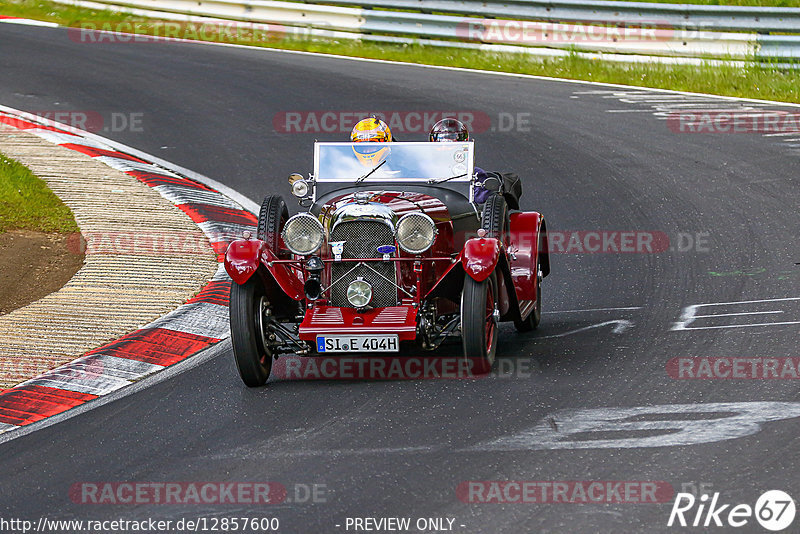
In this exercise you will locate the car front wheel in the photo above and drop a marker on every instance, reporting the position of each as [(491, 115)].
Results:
[(479, 322), (249, 314)]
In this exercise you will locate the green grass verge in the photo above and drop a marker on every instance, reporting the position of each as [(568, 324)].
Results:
[(26, 203), (751, 81), (53, 12)]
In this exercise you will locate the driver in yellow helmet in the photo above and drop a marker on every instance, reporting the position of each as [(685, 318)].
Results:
[(373, 130)]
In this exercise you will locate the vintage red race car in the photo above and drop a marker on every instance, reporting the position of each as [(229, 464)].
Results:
[(393, 250)]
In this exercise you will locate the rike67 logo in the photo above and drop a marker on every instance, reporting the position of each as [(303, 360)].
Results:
[(774, 510)]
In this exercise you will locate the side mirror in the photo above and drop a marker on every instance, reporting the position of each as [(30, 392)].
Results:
[(492, 183)]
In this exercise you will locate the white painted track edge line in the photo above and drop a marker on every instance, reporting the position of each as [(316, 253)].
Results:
[(777, 299), (29, 22)]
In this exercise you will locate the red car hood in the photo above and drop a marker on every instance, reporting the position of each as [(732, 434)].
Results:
[(400, 202)]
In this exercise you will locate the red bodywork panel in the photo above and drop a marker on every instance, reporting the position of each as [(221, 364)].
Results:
[(480, 257), (523, 253), (401, 320), (245, 256)]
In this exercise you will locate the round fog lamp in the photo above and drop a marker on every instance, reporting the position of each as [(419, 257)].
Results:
[(359, 293)]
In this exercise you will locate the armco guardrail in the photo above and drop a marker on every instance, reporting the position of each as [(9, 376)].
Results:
[(621, 28), (690, 16)]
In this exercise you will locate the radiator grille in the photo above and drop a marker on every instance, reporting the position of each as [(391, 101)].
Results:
[(362, 239)]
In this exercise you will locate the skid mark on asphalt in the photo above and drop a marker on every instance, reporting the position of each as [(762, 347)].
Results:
[(666, 425), (620, 327), (775, 312), (596, 310), (665, 106)]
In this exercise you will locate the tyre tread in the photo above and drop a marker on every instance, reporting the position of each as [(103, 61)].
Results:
[(273, 212), (495, 218)]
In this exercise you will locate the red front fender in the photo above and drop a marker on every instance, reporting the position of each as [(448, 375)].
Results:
[(245, 256), (480, 257)]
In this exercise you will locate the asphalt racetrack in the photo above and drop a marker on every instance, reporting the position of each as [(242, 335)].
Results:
[(587, 397)]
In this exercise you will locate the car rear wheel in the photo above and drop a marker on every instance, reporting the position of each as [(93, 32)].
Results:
[(271, 218), (249, 314), (479, 322)]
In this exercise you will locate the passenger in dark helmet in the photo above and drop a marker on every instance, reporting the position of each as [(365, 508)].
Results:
[(453, 131)]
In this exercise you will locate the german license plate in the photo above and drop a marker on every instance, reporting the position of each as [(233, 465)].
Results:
[(385, 343)]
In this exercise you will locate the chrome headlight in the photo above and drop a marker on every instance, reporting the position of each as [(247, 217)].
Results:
[(303, 234), (415, 232), (300, 188), (359, 293)]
